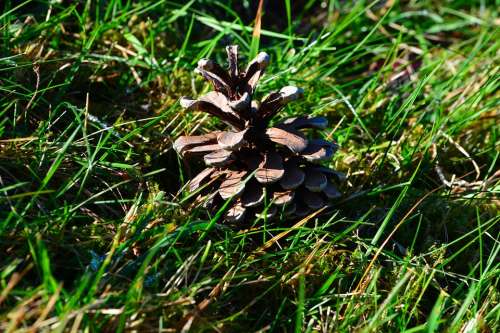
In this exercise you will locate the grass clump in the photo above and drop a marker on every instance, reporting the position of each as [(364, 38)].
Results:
[(96, 236)]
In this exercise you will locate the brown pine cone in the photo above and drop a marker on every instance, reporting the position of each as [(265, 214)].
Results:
[(263, 169)]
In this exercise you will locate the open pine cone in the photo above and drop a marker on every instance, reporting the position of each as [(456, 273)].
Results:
[(264, 169)]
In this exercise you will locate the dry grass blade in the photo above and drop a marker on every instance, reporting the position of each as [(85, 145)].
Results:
[(254, 47), (297, 225)]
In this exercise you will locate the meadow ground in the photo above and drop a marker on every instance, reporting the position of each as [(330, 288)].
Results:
[(96, 236)]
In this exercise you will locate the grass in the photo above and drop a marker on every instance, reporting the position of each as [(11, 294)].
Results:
[(96, 237)]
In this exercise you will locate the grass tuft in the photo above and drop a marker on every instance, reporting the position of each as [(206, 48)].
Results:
[(96, 235)]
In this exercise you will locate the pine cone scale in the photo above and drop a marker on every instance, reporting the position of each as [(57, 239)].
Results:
[(253, 196), (331, 191), (293, 178), (311, 199), (196, 182), (305, 122), (315, 181), (271, 169), (283, 198), (184, 143), (215, 70), (233, 185), (208, 107), (293, 140), (219, 158), (231, 140)]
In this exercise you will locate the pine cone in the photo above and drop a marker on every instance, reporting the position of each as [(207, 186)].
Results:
[(264, 168)]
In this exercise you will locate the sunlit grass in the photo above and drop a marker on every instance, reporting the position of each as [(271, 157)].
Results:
[(95, 234)]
